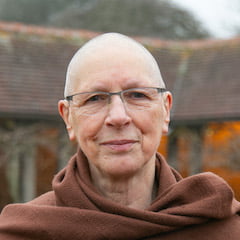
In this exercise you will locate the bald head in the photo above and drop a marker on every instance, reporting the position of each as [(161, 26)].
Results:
[(103, 50)]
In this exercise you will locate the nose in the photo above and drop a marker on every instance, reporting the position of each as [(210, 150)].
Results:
[(117, 115)]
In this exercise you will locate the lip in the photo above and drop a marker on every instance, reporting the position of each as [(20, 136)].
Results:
[(122, 145)]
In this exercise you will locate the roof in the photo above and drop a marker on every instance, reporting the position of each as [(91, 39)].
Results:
[(202, 75), (33, 62), (209, 85)]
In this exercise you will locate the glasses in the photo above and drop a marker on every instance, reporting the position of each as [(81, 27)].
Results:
[(91, 103)]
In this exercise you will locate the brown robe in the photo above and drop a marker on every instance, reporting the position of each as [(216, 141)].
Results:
[(197, 207)]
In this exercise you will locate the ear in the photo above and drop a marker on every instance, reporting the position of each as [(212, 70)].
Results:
[(64, 111), (167, 105)]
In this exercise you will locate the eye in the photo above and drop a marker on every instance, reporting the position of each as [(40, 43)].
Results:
[(93, 98), (136, 95), (96, 98)]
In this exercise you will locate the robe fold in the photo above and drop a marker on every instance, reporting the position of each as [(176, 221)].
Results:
[(197, 207)]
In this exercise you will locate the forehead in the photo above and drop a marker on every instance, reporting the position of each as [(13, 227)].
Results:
[(122, 65)]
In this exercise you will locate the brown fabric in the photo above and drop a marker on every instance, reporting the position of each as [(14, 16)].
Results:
[(197, 207)]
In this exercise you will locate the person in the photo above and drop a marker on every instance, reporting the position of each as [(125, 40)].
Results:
[(117, 186)]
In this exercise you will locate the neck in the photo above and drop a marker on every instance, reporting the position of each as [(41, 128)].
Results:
[(137, 191)]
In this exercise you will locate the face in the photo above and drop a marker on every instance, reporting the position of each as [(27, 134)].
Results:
[(120, 142)]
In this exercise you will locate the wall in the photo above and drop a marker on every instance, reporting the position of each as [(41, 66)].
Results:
[(31, 152), (214, 147)]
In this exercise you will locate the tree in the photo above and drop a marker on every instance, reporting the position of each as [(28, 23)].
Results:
[(30, 11), (136, 17), (154, 18)]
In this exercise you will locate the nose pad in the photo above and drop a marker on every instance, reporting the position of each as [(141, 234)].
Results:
[(111, 95), (116, 101), (117, 112)]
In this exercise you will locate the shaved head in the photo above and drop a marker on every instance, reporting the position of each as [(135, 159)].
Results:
[(104, 49)]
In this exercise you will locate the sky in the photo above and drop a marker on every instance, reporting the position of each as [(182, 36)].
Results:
[(218, 16)]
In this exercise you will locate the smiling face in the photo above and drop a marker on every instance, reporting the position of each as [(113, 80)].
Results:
[(121, 142)]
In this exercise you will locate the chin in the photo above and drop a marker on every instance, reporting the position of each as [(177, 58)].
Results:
[(123, 169)]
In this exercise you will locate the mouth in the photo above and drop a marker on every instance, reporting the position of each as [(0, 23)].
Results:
[(122, 145)]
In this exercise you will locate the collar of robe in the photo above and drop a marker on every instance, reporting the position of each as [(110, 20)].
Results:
[(80, 212)]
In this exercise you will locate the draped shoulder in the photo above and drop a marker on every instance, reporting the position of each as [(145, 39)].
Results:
[(45, 199), (199, 207)]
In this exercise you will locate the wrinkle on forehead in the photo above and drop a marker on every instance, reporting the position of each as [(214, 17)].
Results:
[(108, 47)]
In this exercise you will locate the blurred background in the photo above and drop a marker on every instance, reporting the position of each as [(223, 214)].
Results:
[(196, 44)]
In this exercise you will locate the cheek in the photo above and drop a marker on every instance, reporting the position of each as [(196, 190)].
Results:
[(150, 124), (86, 128)]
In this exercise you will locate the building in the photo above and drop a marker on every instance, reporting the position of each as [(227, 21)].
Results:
[(202, 75)]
